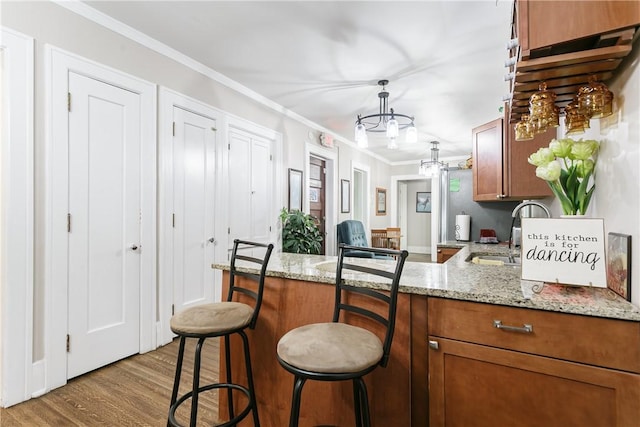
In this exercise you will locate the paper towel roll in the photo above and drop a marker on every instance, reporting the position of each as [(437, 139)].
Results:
[(463, 227)]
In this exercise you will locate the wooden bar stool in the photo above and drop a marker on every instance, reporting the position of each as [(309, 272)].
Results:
[(221, 320), (337, 351)]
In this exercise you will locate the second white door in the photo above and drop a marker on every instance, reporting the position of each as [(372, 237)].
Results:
[(193, 208)]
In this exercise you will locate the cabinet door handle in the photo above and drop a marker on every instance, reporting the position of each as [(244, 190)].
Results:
[(527, 329), (433, 345)]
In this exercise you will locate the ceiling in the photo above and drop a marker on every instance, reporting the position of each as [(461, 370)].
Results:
[(322, 59)]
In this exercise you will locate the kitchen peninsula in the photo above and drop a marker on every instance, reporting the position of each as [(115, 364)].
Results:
[(577, 349)]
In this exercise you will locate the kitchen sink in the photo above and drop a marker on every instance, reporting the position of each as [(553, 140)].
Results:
[(498, 260)]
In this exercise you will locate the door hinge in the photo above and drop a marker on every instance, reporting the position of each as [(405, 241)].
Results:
[(269, 229), (69, 101), (271, 157), (173, 309), (173, 220), (229, 146), (173, 130), (324, 171), (68, 343), (214, 129), (68, 223), (229, 230)]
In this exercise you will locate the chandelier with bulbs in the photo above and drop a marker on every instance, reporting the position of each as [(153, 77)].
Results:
[(386, 120), (431, 168)]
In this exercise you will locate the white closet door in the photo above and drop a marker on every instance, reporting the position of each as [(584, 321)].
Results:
[(240, 173), (193, 207), (104, 224), (261, 190), (251, 185)]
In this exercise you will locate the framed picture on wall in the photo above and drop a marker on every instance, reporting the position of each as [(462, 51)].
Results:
[(295, 190), (381, 201), (345, 196), (423, 201)]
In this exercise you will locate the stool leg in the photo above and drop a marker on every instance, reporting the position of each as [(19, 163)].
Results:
[(364, 402), (196, 383), (176, 381), (227, 355), (295, 401), (357, 397), (252, 391)]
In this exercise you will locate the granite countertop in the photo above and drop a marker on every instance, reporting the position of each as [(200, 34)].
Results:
[(462, 280)]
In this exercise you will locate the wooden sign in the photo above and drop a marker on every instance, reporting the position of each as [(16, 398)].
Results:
[(566, 251)]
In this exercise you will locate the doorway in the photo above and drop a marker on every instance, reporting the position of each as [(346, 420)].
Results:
[(317, 196), (192, 217), (103, 224), (360, 179), (99, 291)]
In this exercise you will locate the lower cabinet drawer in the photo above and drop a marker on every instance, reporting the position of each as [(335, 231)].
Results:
[(482, 386), (591, 340)]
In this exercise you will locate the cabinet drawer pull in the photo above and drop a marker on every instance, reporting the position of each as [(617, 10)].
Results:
[(527, 329)]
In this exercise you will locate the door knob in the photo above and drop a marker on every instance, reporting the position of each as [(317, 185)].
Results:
[(135, 247), (212, 240)]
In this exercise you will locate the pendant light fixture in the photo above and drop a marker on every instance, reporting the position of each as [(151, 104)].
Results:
[(387, 121), (430, 168)]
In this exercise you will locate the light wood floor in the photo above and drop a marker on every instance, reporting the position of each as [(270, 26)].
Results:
[(132, 392), (415, 257)]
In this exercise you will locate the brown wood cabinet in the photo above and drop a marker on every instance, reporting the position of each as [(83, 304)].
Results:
[(397, 393), (500, 167), (545, 368), (541, 24), (445, 253), (564, 43)]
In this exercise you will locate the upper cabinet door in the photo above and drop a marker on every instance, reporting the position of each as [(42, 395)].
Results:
[(523, 182), (488, 162)]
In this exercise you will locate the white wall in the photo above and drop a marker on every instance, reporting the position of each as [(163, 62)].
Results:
[(51, 24), (617, 194)]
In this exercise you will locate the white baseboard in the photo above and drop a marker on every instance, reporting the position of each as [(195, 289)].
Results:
[(419, 250)]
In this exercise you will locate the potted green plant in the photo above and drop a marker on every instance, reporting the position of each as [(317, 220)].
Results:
[(300, 233)]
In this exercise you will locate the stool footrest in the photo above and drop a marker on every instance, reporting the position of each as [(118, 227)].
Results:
[(233, 421)]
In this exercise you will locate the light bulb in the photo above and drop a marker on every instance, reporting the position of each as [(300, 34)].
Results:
[(392, 129), (361, 136), (412, 135)]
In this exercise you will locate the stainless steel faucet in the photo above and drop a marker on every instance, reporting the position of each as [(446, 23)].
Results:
[(530, 203), (515, 212)]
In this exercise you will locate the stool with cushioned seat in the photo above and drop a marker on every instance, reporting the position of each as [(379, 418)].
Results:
[(338, 351), (221, 320)]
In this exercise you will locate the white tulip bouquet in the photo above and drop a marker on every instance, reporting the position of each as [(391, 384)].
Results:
[(568, 166)]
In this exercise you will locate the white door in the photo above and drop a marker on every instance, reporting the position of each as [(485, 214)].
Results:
[(193, 208), (251, 185), (103, 224)]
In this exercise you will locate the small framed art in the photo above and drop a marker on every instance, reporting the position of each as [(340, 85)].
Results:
[(619, 264), (423, 202), (381, 201)]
